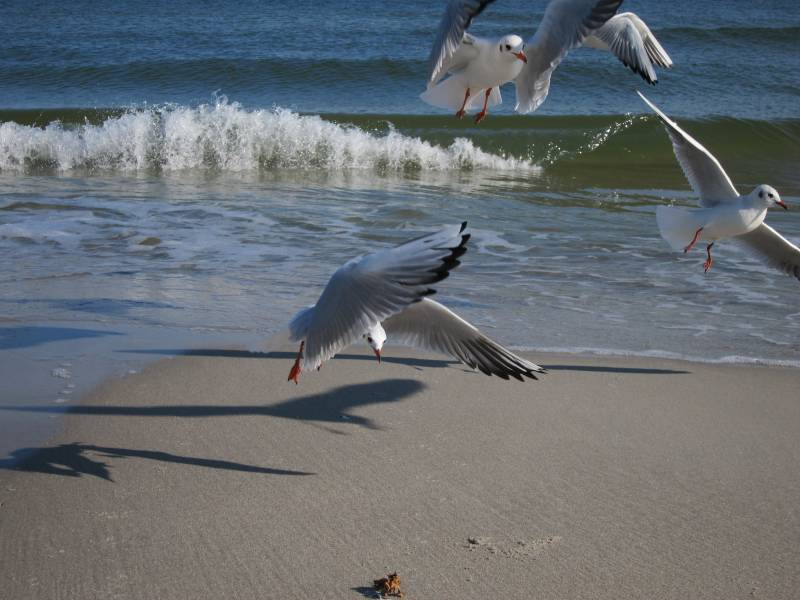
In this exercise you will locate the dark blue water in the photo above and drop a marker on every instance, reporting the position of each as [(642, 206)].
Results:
[(736, 58)]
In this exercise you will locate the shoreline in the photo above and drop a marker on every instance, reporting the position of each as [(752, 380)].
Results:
[(67, 374), (210, 476)]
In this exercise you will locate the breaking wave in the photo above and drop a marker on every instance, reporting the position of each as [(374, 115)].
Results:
[(227, 137)]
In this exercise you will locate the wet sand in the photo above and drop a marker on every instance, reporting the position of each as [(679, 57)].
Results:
[(209, 476)]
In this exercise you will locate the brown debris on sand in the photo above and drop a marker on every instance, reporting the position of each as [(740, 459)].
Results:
[(389, 586)]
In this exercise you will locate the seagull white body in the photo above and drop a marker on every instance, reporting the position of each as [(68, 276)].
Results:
[(724, 213), (384, 295), (566, 24), (679, 225)]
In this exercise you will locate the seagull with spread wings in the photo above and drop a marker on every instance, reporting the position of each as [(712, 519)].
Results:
[(385, 295), (477, 67), (723, 212)]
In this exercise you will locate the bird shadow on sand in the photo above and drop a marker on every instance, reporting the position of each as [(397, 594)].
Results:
[(225, 353), (76, 460), (332, 406)]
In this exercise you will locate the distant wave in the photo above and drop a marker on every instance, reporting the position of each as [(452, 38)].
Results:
[(766, 34), (227, 137), (256, 71)]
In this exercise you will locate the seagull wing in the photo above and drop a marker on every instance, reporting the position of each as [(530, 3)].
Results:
[(772, 248), (367, 290), (632, 42), (429, 325), (468, 51), (451, 38), (564, 26), (705, 174), (655, 51)]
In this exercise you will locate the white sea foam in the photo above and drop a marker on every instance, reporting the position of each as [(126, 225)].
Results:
[(227, 137), (660, 354), (61, 372)]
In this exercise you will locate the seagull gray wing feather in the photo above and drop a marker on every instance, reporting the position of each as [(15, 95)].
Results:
[(564, 26), (369, 289), (706, 176), (468, 51), (627, 36), (655, 51), (450, 38), (772, 248), (432, 326)]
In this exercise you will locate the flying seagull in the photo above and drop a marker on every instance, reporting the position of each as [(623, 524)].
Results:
[(477, 67), (723, 212), (385, 295)]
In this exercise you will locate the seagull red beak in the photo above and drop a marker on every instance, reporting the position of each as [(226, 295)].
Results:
[(782, 204), (377, 353), (521, 56)]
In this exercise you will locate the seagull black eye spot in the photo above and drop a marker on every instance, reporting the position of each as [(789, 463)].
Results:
[(770, 195), (508, 47), (760, 194), (369, 339)]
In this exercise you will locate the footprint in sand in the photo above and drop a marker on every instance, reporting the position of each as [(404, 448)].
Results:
[(515, 549)]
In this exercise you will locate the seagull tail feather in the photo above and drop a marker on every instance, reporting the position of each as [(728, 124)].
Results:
[(678, 225), (450, 94)]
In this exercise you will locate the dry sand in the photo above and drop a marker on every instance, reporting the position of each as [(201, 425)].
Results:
[(210, 477)]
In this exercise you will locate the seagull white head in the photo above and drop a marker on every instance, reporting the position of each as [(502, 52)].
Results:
[(375, 337), (770, 196), (513, 47)]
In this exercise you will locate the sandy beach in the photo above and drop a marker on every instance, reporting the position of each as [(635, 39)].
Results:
[(209, 476)]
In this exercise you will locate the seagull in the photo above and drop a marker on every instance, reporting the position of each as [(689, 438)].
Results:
[(724, 213), (385, 295), (478, 66), (478, 69)]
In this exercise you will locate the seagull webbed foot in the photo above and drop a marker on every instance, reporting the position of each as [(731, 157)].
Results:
[(294, 374), (694, 240), (709, 260)]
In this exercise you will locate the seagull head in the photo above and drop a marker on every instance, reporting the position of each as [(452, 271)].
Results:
[(513, 47), (375, 337), (770, 196)]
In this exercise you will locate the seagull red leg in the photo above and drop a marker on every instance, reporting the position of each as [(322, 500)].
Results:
[(694, 240), (482, 115), (294, 374), (709, 261), (461, 112)]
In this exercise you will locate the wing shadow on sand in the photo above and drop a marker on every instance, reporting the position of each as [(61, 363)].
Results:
[(329, 407), (224, 353), (75, 460)]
